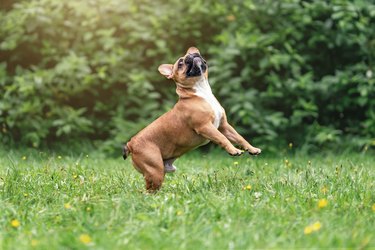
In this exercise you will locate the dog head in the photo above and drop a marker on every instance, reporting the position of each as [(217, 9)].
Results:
[(187, 70)]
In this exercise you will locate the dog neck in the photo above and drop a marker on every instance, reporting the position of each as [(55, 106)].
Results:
[(200, 88), (203, 90)]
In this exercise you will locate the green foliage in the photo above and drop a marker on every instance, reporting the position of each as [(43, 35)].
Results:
[(306, 68), (286, 71)]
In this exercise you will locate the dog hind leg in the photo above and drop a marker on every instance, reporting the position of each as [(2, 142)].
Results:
[(150, 164)]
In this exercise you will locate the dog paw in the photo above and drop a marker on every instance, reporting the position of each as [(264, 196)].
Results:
[(236, 152), (254, 151)]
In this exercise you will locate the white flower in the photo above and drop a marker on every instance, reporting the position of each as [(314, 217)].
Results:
[(257, 195), (369, 73)]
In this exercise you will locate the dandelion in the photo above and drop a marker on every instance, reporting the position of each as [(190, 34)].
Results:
[(316, 226), (373, 207), (248, 187), (322, 203), (25, 194), (85, 239), (15, 223), (308, 230), (34, 243), (67, 206), (235, 163), (24, 158), (288, 163)]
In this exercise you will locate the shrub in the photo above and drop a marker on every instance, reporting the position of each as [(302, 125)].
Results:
[(286, 71)]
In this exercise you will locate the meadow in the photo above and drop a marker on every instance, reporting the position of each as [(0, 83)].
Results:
[(213, 201)]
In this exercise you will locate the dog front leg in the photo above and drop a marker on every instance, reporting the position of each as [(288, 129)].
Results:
[(232, 135), (209, 132)]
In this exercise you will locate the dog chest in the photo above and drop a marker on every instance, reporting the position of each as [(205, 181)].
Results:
[(202, 89)]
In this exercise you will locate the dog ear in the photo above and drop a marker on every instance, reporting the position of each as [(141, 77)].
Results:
[(192, 50), (166, 70)]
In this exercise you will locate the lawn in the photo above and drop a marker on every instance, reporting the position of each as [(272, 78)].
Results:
[(213, 201)]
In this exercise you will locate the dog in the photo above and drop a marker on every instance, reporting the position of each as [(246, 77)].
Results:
[(196, 119)]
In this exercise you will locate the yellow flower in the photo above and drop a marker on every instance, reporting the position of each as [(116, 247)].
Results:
[(25, 194), (235, 163), (15, 223), (88, 209), (34, 243), (67, 206), (308, 230), (59, 157), (85, 239), (322, 203), (316, 226), (373, 207), (290, 145), (312, 228), (179, 212), (248, 187), (24, 158), (288, 163)]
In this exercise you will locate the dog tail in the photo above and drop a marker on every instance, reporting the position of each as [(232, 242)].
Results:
[(125, 151)]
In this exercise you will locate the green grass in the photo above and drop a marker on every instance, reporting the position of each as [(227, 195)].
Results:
[(206, 204)]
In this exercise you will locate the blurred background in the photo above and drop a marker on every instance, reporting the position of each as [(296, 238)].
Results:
[(289, 73)]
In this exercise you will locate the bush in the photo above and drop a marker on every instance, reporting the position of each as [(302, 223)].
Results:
[(286, 71), (88, 69), (307, 68)]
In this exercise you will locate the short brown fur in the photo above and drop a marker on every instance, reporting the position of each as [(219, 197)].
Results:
[(188, 125)]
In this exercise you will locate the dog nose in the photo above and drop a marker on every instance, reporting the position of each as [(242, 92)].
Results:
[(195, 57), (190, 57), (197, 61)]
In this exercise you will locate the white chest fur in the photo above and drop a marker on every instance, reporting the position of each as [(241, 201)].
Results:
[(203, 89)]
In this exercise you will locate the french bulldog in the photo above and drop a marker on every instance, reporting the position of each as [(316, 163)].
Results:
[(196, 119)]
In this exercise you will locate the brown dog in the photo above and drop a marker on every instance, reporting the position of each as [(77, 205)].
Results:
[(196, 119)]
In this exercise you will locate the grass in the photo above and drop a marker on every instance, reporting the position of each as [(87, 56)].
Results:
[(213, 201)]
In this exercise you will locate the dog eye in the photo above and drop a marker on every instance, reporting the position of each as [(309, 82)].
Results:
[(180, 63)]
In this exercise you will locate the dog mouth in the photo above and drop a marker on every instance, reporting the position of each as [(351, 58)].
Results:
[(196, 65)]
